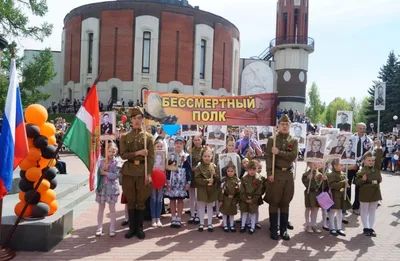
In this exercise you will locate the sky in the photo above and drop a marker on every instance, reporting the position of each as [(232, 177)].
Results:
[(352, 37)]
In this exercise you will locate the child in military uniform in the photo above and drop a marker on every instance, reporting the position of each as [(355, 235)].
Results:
[(338, 183), (229, 198), (196, 158), (369, 179), (260, 201), (250, 193), (313, 181), (207, 183)]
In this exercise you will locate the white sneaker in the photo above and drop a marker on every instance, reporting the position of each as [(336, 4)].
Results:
[(316, 229), (99, 232), (153, 222), (159, 224), (309, 229)]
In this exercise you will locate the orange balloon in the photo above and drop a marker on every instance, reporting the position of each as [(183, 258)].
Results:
[(53, 163), (53, 207), (18, 209), (47, 129), (52, 140), (48, 196), (43, 187), (27, 164), (21, 196), (36, 114), (33, 174), (30, 143), (34, 154), (43, 163)]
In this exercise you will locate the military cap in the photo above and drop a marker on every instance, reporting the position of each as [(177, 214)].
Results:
[(179, 138), (367, 154), (135, 111), (284, 118)]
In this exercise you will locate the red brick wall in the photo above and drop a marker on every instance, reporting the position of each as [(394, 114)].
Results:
[(222, 64), (168, 69), (72, 50), (289, 9), (120, 64)]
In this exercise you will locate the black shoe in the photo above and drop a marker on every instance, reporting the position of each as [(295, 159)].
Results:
[(345, 221), (285, 236), (334, 233), (366, 231), (125, 223), (290, 226), (219, 216), (372, 233), (341, 233), (284, 219), (178, 224), (210, 228), (191, 220), (242, 229), (251, 231), (173, 224), (196, 220), (139, 224), (226, 229), (201, 228), (273, 228), (132, 224), (232, 229), (187, 211), (325, 228), (258, 226)]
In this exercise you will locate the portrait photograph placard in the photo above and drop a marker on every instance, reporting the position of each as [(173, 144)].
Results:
[(264, 132), (226, 160), (216, 134), (380, 96), (344, 120), (107, 125), (315, 148), (171, 144), (190, 130), (338, 145), (172, 160), (159, 159), (299, 132), (349, 154)]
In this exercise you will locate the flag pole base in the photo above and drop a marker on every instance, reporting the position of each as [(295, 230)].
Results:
[(6, 254)]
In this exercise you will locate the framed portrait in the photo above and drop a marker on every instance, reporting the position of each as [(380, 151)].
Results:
[(226, 161), (171, 144), (159, 159), (380, 96), (264, 132), (338, 145), (315, 148), (349, 154), (299, 132), (107, 125), (216, 134), (344, 120), (172, 160), (190, 130)]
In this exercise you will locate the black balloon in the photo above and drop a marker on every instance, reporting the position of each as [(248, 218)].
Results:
[(34, 195), (40, 210), (22, 173), (40, 142), (53, 184), (49, 173), (32, 131), (25, 185), (49, 152)]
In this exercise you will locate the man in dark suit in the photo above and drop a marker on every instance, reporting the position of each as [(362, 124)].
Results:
[(380, 101), (106, 127), (349, 153), (339, 148), (216, 134), (315, 151), (344, 126), (297, 134)]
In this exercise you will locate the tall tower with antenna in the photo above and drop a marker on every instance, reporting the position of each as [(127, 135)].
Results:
[(290, 51)]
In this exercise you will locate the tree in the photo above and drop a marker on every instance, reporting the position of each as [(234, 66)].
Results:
[(362, 109), (315, 108), (338, 104), (35, 74), (15, 23)]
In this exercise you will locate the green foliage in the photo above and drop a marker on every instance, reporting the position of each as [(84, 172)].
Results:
[(35, 74), (315, 108), (338, 104), (360, 116), (14, 22)]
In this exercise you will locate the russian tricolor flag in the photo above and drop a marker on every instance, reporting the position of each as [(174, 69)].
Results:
[(13, 141)]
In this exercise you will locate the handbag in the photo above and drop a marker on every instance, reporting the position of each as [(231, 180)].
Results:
[(325, 199)]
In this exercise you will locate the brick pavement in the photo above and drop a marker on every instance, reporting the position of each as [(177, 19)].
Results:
[(189, 244)]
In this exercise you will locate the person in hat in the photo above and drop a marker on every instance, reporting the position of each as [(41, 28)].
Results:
[(136, 183), (280, 187), (369, 178)]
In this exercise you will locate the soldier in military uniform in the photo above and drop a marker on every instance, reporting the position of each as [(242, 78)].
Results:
[(136, 184), (380, 101), (280, 187)]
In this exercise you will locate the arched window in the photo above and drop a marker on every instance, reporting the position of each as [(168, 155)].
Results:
[(142, 94), (70, 94), (114, 94), (146, 52), (175, 91), (90, 53)]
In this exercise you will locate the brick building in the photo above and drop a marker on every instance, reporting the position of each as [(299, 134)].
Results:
[(137, 45)]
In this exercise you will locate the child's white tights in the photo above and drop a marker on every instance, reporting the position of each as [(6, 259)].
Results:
[(100, 216), (202, 209)]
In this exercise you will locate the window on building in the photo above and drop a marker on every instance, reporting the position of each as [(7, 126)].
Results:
[(175, 91), (203, 58), (306, 25), (90, 53), (285, 22), (146, 52), (142, 96), (296, 23), (114, 94), (70, 94)]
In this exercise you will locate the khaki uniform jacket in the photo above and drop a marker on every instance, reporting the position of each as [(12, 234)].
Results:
[(196, 158), (337, 182), (130, 143), (206, 193), (370, 190), (230, 196), (288, 151), (310, 199), (250, 188)]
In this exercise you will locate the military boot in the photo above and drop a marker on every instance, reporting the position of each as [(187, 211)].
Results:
[(283, 227), (273, 220), (139, 224), (132, 224)]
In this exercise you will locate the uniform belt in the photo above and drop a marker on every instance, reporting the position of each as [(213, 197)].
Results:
[(283, 169), (136, 162)]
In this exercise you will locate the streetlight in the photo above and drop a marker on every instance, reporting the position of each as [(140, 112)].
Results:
[(372, 126), (395, 117)]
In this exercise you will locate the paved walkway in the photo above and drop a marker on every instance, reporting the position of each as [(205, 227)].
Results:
[(189, 244)]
